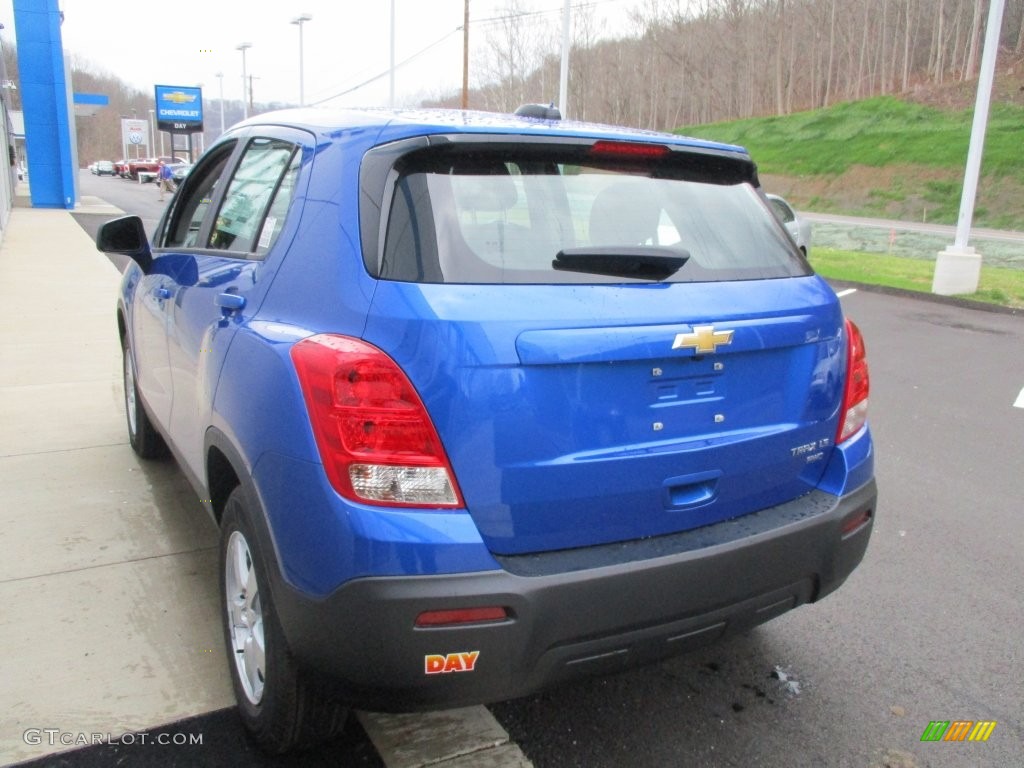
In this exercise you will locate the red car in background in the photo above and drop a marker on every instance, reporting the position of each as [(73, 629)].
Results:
[(146, 169)]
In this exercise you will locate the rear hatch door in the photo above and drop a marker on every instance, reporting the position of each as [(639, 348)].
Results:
[(587, 396)]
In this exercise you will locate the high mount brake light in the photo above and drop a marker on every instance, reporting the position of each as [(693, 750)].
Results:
[(629, 150), (854, 412), (375, 437)]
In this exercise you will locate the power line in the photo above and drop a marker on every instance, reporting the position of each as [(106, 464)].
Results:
[(386, 72), (490, 21), (549, 12)]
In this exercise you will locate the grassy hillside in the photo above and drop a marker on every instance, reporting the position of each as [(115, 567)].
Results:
[(886, 157)]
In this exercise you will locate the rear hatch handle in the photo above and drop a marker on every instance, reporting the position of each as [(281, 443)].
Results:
[(689, 491)]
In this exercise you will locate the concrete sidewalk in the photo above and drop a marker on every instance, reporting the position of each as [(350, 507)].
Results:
[(108, 584)]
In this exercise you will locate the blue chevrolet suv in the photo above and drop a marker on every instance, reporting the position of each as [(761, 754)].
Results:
[(482, 403)]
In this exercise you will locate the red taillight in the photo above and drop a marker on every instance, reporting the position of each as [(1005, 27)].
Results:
[(855, 394), (461, 616), (629, 149), (376, 440)]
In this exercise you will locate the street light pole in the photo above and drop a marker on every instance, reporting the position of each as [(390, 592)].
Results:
[(134, 117), (152, 143), (299, 21), (958, 267), (220, 77), (243, 47), (391, 70)]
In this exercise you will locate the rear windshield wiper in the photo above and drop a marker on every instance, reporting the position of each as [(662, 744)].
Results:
[(651, 262)]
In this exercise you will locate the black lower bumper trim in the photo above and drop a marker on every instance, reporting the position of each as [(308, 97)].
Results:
[(576, 613)]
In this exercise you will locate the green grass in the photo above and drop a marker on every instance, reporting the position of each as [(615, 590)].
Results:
[(895, 195), (998, 285), (875, 133)]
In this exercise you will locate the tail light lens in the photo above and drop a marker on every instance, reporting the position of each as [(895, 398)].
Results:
[(855, 393), (376, 440), (447, 618)]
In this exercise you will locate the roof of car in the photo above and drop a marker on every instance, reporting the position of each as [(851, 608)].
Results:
[(426, 121)]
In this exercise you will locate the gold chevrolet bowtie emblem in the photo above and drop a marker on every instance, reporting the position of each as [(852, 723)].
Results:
[(703, 339), (179, 97)]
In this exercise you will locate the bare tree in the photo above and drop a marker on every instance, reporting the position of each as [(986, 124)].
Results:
[(514, 52), (970, 71), (691, 61)]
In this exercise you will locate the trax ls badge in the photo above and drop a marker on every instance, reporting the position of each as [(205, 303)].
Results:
[(703, 339)]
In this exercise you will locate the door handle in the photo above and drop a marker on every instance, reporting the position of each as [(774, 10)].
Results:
[(229, 302)]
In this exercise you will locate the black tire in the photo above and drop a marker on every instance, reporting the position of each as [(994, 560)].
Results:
[(279, 705), (144, 439)]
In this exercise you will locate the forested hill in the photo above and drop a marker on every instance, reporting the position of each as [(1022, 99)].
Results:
[(702, 61)]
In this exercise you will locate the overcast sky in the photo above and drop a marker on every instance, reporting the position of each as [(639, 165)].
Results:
[(187, 42)]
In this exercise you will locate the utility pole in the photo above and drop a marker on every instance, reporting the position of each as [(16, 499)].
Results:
[(563, 80)]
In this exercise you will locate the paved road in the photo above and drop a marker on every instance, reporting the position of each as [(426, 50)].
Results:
[(927, 629), (914, 240), (944, 230), (139, 199)]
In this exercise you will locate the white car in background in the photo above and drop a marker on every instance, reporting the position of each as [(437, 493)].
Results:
[(799, 228)]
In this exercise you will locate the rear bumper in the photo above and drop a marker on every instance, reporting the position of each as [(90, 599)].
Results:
[(576, 613)]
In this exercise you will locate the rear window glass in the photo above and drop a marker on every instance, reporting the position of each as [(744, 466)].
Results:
[(538, 217)]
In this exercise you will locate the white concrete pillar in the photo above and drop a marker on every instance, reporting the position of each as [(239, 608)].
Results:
[(957, 271)]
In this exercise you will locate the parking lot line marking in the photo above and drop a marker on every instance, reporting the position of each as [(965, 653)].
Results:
[(847, 292), (1020, 400)]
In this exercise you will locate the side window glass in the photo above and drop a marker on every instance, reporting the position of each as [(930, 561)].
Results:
[(192, 208), (254, 186), (782, 211), (278, 207)]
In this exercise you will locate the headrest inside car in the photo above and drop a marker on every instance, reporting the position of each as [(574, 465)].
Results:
[(483, 185)]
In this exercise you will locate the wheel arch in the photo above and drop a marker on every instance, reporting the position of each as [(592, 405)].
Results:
[(225, 470), (221, 479)]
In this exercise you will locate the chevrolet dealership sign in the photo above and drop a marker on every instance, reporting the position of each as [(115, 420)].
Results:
[(179, 109)]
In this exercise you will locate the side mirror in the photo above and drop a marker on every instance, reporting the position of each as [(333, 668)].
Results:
[(126, 236)]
